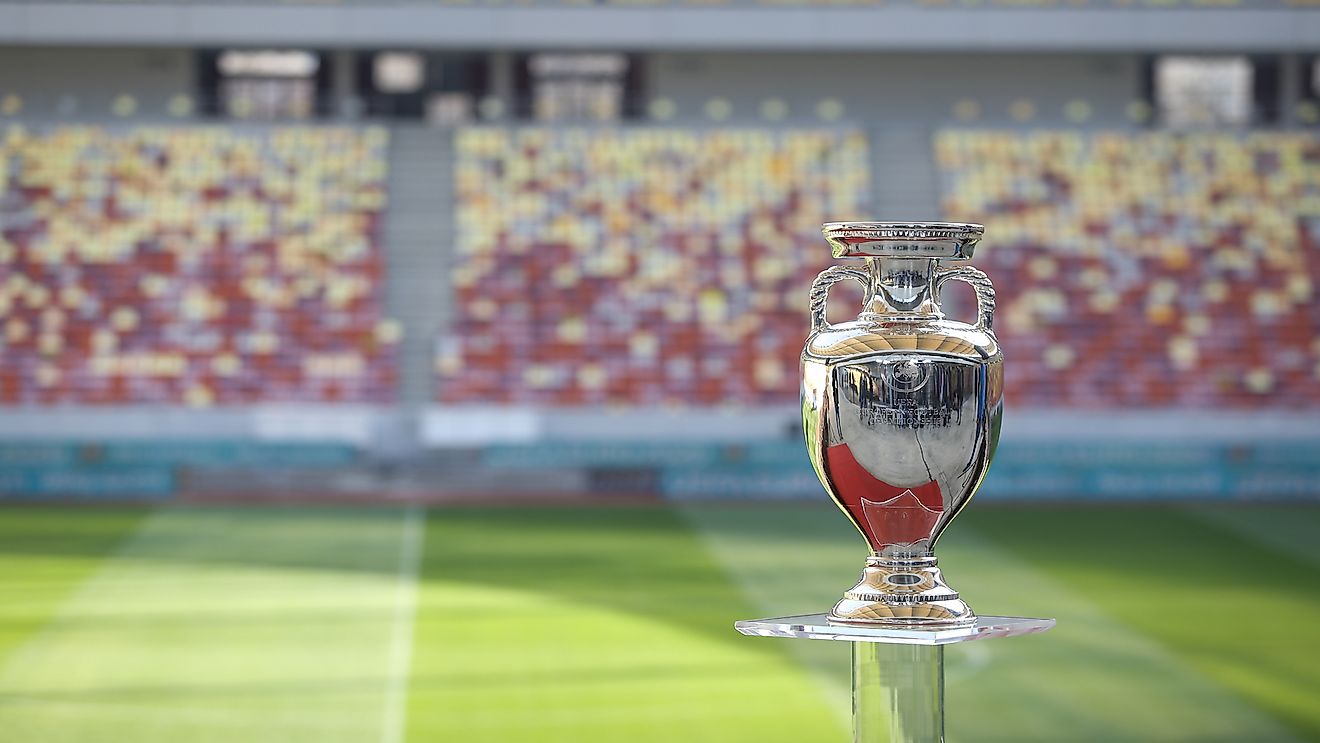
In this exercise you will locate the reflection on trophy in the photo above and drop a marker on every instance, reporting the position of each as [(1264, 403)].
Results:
[(901, 410)]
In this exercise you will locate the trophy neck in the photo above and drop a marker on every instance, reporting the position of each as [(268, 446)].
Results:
[(901, 288), (915, 558)]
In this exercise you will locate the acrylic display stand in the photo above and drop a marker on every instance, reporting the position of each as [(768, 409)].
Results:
[(897, 672)]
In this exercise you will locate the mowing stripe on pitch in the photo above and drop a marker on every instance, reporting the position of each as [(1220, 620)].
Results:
[(1286, 529), (268, 624), (783, 565), (1092, 678), (566, 624)]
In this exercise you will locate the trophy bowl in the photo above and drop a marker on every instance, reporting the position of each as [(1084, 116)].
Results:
[(901, 410)]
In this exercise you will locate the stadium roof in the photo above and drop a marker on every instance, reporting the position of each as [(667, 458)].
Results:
[(1092, 25)]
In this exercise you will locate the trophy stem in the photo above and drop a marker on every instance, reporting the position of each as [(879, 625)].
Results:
[(902, 591), (902, 287), (898, 693)]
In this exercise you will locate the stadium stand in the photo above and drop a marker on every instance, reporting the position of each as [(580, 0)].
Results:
[(640, 266), (1148, 269), (193, 265)]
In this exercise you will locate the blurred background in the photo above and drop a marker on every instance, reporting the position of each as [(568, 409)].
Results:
[(427, 370)]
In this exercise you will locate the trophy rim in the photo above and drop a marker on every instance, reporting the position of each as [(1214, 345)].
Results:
[(919, 230), (864, 239)]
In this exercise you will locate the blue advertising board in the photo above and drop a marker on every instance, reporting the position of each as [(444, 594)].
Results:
[(640, 454), (144, 469), (216, 454), (1051, 471), (87, 483)]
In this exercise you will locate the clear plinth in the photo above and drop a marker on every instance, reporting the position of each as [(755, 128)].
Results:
[(897, 672), (898, 692), (818, 627)]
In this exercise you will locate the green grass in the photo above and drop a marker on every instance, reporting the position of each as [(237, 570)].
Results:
[(588, 624), (188, 624), (47, 553)]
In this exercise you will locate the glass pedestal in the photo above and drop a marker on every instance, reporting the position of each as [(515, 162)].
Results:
[(897, 672)]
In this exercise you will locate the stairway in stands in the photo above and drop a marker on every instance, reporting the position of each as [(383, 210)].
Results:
[(903, 174), (418, 235), (906, 189)]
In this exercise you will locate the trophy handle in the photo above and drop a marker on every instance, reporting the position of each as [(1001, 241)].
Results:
[(985, 291), (820, 291)]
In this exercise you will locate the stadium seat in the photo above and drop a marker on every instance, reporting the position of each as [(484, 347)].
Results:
[(1148, 269), (193, 265), (640, 266)]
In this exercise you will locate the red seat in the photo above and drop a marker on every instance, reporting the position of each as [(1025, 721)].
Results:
[(657, 243), (168, 257), (1213, 284)]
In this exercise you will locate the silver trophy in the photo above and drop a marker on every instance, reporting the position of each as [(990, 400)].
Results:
[(901, 410)]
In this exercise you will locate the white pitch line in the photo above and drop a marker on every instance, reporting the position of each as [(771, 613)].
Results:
[(399, 659)]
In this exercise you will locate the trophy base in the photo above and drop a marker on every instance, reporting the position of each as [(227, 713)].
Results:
[(907, 593)]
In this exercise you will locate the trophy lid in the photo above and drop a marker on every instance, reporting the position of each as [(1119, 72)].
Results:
[(949, 240)]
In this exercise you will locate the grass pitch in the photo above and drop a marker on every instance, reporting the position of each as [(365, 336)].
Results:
[(396, 624)]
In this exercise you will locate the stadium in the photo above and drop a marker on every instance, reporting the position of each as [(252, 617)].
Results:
[(428, 369)]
